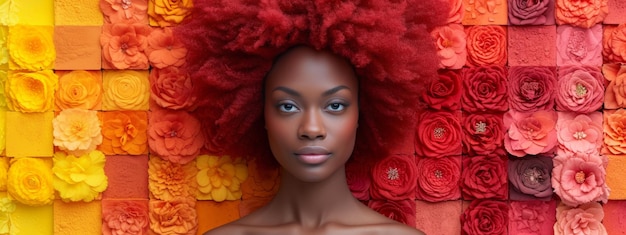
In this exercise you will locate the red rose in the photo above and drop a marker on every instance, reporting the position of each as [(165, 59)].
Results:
[(402, 211), (532, 88), (438, 134), (484, 217), (445, 92), (359, 181), (171, 88), (438, 178), (484, 177), (484, 89), (486, 45), (394, 178), (482, 133)]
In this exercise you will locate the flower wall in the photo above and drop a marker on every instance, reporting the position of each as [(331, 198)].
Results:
[(524, 132)]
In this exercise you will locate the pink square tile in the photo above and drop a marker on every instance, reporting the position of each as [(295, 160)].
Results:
[(616, 15), (532, 45), (439, 218)]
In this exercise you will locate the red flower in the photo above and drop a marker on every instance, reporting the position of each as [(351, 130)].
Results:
[(484, 217), (484, 177), (175, 136), (394, 178), (359, 180), (438, 178), (485, 89), (486, 45), (171, 88), (438, 134), (402, 211), (482, 133), (445, 92), (532, 88)]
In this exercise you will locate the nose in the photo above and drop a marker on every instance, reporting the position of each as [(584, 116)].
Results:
[(312, 126)]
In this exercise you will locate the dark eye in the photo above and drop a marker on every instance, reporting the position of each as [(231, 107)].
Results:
[(288, 108), (336, 107)]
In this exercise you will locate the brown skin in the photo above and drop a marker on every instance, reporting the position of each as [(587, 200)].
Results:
[(312, 100)]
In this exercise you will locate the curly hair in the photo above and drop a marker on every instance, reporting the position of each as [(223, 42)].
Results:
[(232, 45)]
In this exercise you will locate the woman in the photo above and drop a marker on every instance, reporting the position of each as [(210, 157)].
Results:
[(323, 68)]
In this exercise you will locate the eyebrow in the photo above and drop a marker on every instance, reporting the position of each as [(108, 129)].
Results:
[(296, 94)]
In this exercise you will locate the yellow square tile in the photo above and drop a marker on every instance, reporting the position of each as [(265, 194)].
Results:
[(30, 220), (29, 134), (79, 218), (33, 12), (77, 12)]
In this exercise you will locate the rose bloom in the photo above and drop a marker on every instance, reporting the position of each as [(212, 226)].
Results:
[(4, 167), (614, 44), (614, 136), (168, 181), (456, 12), (485, 217), (168, 12), (522, 12), (530, 133), (579, 46), (585, 219), (579, 133), (402, 211), (123, 46), (579, 178), (124, 132), (165, 50), (450, 44), (482, 133), (31, 47), (438, 178), (580, 89), (615, 95), (219, 178), (175, 135), (438, 134), (7, 207), (583, 14), (531, 217), (485, 89), (484, 177), (394, 178), (126, 90), (532, 88), (173, 217), (29, 92), (29, 181), (358, 178), (79, 178), (124, 11), (78, 89), (171, 88), (529, 178), (125, 217), (445, 92), (486, 45), (77, 131)]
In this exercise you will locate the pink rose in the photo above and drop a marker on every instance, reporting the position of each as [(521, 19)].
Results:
[(484, 177), (580, 89), (529, 178), (614, 44), (585, 219), (125, 217), (486, 45), (402, 211), (438, 134), (532, 88), (531, 217), (445, 92), (580, 133), (438, 178), (456, 11), (579, 178), (523, 12), (583, 14), (482, 133), (530, 133), (450, 44), (484, 217), (485, 89), (615, 95), (394, 178), (579, 46)]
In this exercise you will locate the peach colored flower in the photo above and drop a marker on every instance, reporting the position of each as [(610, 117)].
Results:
[(124, 217), (486, 45), (176, 217), (220, 178), (79, 178), (168, 181), (456, 12), (450, 43), (29, 181), (579, 132), (168, 12), (614, 44), (171, 88), (615, 94), (126, 90), (579, 46), (31, 91), (530, 133), (31, 47), (79, 89), (579, 89), (77, 131), (614, 134), (124, 132), (579, 178), (175, 135), (585, 219), (126, 11), (123, 46), (164, 49), (581, 13)]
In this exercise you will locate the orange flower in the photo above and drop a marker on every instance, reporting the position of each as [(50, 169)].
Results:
[(78, 89), (615, 94), (31, 47), (486, 45), (173, 217), (168, 12), (77, 131), (31, 92), (614, 135), (172, 88), (126, 90), (614, 44), (124, 132), (128, 11), (164, 49), (168, 181), (123, 46), (175, 135), (583, 14)]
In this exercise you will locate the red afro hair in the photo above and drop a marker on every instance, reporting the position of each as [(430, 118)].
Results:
[(232, 45)]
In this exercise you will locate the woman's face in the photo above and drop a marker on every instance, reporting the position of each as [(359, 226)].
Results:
[(311, 113)]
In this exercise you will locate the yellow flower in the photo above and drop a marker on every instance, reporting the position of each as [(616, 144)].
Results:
[(29, 181), (77, 131), (78, 89), (168, 12), (220, 178), (3, 99), (79, 178), (4, 52), (168, 180), (8, 16), (29, 92), (6, 208), (4, 168), (125, 90), (31, 47)]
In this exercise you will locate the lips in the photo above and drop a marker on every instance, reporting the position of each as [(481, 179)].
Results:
[(312, 155)]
